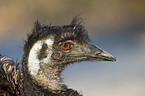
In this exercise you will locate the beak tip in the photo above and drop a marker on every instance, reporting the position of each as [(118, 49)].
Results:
[(114, 59), (108, 57)]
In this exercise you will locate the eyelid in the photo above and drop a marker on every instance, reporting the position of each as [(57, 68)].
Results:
[(68, 41)]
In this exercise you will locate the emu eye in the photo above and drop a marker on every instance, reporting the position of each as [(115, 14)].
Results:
[(66, 45)]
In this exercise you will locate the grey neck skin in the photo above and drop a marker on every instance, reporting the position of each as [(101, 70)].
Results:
[(43, 71)]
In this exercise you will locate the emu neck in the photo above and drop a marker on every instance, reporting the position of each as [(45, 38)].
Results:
[(48, 77), (41, 67)]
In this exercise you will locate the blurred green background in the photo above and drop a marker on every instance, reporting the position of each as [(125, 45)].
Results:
[(117, 26)]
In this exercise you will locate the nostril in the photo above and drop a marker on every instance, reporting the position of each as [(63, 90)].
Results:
[(99, 53)]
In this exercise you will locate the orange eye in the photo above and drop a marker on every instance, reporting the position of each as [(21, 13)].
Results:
[(65, 46)]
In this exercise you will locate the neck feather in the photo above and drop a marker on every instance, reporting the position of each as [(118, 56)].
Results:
[(42, 70)]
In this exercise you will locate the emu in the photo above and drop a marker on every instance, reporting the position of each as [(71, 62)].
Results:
[(47, 51)]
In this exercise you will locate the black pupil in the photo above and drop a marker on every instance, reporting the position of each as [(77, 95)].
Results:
[(65, 44)]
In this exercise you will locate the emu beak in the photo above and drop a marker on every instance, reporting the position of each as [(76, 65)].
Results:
[(99, 54), (104, 56), (93, 53)]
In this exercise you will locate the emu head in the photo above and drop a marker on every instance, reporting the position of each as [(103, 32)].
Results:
[(49, 49)]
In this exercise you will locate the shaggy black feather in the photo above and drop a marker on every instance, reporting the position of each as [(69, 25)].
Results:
[(10, 77)]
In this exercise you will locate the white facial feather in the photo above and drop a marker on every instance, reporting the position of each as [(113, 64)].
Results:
[(49, 52), (34, 65), (33, 61), (49, 42)]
